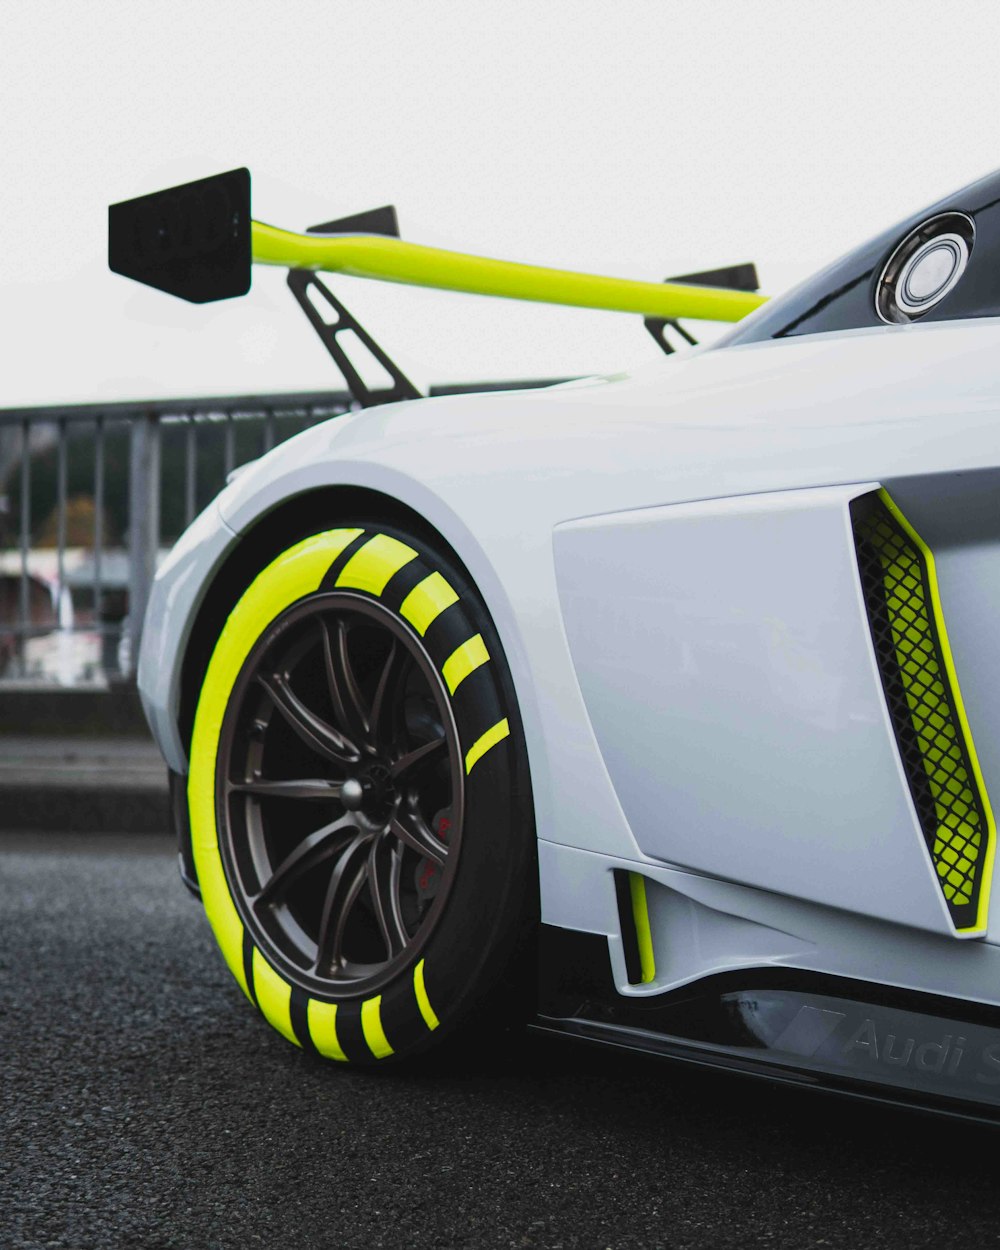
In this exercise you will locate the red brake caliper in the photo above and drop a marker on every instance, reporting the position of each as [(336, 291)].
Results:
[(428, 873)]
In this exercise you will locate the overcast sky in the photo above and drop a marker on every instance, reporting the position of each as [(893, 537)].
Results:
[(636, 139)]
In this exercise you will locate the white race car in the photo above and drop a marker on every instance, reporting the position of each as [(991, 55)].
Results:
[(658, 710)]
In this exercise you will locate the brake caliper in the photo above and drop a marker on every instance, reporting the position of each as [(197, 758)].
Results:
[(428, 873)]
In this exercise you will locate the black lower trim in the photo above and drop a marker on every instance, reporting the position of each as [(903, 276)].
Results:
[(248, 965), (979, 1106), (182, 827), (789, 1025), (574, 972)]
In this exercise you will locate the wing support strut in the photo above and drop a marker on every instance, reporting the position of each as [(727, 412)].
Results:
[(733, 278), (336, 327), (344, 324)]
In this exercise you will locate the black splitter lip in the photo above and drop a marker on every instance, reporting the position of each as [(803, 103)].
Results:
[(876, 1043)]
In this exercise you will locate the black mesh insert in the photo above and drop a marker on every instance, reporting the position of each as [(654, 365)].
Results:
[(898, 587)]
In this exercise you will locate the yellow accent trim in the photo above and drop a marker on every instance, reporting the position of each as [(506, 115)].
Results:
[(393, 260), (983, 909), (274, 997), (463, 661), (643, 933), (378, 560), (426, 601), (291, 575), (371, 1026), (489, 739), (322, 1021), (423, 1002)]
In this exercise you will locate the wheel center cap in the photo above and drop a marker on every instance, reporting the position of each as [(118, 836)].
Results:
[(352, 794)]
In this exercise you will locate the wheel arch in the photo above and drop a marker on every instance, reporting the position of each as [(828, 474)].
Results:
[(270, 534)]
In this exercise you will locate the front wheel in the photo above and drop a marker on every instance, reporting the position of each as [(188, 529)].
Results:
[(358, 796)]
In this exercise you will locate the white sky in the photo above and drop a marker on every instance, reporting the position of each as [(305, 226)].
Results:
[(637, 139)]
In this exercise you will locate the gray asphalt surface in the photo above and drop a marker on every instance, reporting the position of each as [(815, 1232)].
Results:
[(144, 1104)]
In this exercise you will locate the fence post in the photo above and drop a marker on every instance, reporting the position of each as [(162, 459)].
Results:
[(143, 523)]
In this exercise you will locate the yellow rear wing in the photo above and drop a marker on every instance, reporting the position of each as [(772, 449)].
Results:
[(199, 242), (393, 260)]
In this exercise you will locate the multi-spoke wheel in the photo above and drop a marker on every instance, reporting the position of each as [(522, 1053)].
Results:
[(358, 796)]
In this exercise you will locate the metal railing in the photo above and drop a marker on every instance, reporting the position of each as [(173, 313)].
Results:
[(91, 497)]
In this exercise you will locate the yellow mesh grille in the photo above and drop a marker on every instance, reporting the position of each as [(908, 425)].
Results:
[(896, 583)]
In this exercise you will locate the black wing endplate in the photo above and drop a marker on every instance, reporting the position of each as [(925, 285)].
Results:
[(193, 241)]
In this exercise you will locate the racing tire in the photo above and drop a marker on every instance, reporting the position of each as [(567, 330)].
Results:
[(359, 802)]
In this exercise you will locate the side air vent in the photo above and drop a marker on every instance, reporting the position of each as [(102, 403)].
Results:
[(637, 938), (900, 590)]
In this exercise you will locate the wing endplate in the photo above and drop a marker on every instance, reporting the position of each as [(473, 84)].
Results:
[(192, 241)]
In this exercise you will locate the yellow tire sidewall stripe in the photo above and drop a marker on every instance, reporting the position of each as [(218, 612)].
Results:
[(485, 743), (322, 1021), (423, 1002), (463, 661), (292, 575), (371, 1027), (426, 601), (373, 566), (274, 997)]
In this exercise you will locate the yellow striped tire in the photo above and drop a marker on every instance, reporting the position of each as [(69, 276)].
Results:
[(466, 961)]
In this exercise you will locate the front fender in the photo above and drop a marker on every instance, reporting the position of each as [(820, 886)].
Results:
[(511, 564)]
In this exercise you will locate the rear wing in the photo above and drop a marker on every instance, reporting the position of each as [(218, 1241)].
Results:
[(199, 242)]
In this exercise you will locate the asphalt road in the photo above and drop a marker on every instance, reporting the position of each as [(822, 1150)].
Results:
[(144, 1104)]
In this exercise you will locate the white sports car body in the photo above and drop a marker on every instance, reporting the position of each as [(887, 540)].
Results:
[(747, 600)]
